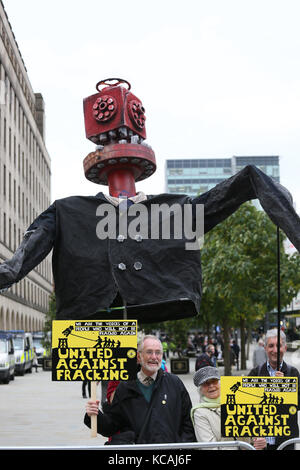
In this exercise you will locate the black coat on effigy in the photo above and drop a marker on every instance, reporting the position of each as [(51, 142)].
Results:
[(166, 418), (157, 279)]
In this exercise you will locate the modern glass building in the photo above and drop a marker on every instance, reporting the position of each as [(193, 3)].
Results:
[(198, 175)]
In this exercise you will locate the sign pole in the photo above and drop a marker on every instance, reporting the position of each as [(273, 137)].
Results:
[(278, 299), (94, 417)]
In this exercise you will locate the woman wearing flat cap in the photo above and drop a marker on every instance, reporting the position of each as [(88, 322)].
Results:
[(206, 415)]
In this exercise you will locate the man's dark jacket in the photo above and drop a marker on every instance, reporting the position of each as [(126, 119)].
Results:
[(157, 279), (288, 371), (165, 419)]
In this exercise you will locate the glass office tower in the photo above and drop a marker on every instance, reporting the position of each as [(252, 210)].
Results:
[(198, 175)]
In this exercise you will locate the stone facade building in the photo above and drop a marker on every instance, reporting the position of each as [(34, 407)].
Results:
[(25, 178)]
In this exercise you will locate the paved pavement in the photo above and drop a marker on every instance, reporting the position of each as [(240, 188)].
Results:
[(34, 411)]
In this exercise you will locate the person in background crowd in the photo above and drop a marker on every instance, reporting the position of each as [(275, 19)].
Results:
[(165, 346), (236, 351), (110, 393), (111, 389), (259, 354), (35, 360), (164, 365), (207, 358)]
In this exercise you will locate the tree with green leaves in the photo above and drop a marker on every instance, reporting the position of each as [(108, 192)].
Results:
[(239, 260)]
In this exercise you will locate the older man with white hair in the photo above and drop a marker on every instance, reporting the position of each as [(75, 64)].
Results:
[(153, 408)]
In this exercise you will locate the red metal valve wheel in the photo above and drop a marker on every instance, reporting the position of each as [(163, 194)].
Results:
[(119, 81)]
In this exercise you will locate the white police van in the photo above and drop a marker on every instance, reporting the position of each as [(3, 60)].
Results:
[(7, 357), (23, 347)]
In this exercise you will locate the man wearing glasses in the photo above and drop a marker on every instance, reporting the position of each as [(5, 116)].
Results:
[(154, 408)]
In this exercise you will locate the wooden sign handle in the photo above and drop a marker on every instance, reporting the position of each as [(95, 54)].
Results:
[(94, 417)]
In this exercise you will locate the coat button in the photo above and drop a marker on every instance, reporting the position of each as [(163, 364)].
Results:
[(120, 238), (137, 265), (138, 238), (122, 266)]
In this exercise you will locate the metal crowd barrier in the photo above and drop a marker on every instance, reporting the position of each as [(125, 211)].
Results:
[(296, 440), (133, 447)]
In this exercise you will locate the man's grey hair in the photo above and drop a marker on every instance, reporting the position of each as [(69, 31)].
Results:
[(272, 333), (141, 342)]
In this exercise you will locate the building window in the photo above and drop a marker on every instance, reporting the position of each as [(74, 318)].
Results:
[(4, 228), (9, 233), (4, 133), (4, 180)]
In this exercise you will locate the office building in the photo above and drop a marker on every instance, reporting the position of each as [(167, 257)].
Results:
[(198, 175), (24, 182)]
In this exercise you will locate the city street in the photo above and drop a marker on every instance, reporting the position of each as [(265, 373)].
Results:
[(34, 411)]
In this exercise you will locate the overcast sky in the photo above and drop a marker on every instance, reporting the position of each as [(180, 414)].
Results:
[(217, 77)]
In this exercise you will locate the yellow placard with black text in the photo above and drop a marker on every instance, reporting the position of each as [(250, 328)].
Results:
[(94, 350), (258, 406)]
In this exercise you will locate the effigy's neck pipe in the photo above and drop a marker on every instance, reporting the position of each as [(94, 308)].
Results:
[(121, 182)]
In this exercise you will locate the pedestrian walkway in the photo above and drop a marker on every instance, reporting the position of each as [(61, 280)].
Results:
[(34, 411)]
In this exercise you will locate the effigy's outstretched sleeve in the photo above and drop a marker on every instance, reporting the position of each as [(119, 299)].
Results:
[(251, 183), (36, 245), (157, 279)]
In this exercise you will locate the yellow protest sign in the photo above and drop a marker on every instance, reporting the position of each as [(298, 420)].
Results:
[(94, 350), (258, 406)]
